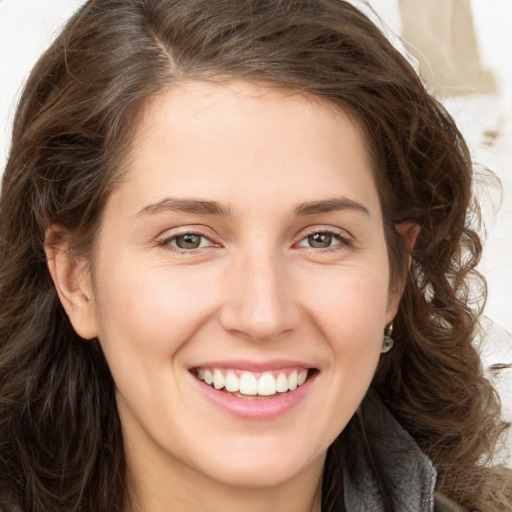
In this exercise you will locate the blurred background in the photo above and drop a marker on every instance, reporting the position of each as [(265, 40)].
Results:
[(461, 48)]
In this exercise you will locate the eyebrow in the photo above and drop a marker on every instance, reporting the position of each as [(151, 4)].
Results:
[(330, 205), (202, 207), (197, 206)]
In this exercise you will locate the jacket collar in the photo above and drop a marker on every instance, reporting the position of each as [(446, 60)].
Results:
[(411, 473)]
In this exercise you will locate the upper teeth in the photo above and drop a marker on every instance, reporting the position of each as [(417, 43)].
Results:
[(248, 383)]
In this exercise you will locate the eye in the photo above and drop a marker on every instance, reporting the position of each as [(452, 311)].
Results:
[(187, 242), (323, 240)]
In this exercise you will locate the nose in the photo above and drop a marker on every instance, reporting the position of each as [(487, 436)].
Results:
[(259, 302)]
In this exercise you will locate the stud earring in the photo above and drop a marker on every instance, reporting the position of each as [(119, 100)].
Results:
[(387, 341)]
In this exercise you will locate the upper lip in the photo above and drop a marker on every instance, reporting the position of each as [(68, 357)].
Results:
[(254, 366)]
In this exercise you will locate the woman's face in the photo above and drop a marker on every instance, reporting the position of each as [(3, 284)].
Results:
[(245, 245)]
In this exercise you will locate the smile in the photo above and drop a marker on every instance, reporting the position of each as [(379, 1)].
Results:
[(246, 384)]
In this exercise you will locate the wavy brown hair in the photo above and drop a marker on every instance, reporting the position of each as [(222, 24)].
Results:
[(61, 447)]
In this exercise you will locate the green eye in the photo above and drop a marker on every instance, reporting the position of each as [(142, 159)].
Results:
[(320, 240), (188, 241), (323, 240)]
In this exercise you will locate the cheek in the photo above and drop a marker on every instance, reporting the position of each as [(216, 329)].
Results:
[(146, 316), (351, 317), (150, 309), (352, 302)]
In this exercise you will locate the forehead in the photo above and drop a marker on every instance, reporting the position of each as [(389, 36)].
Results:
[(239, 138), (187, 105)]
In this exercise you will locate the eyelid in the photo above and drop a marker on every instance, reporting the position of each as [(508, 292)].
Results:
[(324, 228), (164, 239), (346, 240)]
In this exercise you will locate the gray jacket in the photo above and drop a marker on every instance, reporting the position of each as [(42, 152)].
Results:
[(411, 472)]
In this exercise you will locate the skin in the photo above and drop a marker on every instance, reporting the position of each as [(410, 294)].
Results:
[(255, 289)]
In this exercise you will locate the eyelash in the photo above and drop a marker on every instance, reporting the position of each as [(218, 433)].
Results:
[(166, 243), (344, 242)]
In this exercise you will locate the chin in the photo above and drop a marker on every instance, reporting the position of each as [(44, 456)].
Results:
[(264, 467)]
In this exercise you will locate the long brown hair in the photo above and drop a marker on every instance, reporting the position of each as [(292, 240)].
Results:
[(61, 447)]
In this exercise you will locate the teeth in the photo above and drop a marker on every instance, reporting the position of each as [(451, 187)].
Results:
[(282, 383), (292, 381), (248, 384), (267, 385), (218, 379), (232, 382)]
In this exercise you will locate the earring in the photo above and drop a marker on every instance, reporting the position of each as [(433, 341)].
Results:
[(387, 341)]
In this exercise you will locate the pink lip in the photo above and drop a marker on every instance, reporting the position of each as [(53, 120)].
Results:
[(254, 409)]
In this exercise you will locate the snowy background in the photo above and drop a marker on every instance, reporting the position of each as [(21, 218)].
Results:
[(462, 50)]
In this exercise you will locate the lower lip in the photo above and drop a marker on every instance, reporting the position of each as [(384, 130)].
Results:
[(258, 408)]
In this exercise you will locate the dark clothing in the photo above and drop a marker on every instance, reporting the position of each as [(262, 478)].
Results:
[(411, 474)]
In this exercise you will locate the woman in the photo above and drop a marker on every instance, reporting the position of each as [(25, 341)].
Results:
[(235, 257)]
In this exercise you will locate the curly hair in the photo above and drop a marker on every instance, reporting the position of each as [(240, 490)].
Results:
[(75, 120)]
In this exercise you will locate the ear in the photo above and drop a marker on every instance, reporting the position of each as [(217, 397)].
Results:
[(72, 282), (409, 231)]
